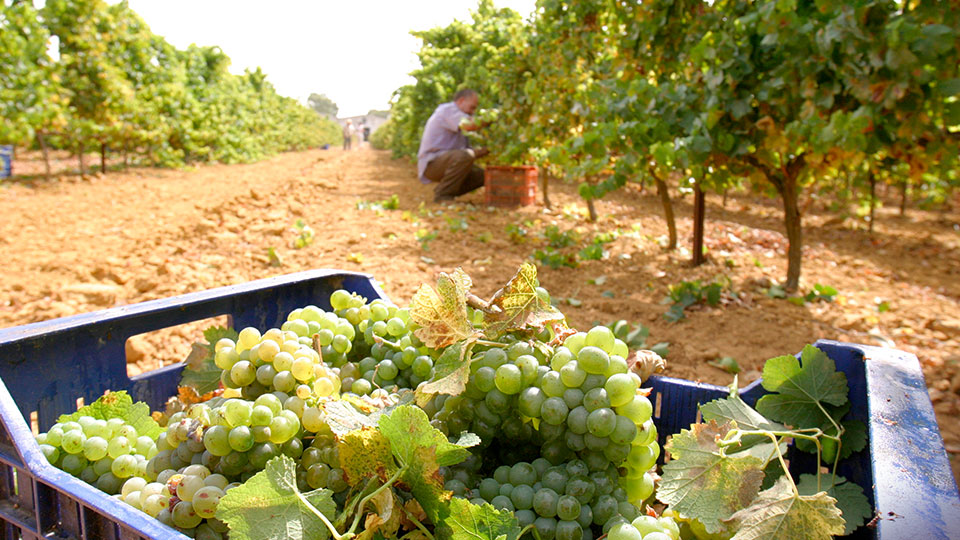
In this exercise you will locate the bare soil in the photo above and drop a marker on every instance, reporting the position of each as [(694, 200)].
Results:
[(78, 244)]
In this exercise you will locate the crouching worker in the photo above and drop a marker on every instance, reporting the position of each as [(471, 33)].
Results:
[(445, 156)]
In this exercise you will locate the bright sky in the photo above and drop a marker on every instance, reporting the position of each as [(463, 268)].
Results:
[(357, 52)]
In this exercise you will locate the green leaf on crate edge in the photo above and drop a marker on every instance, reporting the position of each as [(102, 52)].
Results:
[(119, 405), (851, 501)]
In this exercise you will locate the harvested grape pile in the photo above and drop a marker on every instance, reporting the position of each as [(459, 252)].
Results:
[(76, 245), (457, 418)]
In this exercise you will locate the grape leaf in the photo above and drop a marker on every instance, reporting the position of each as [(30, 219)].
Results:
[(451, 373), (407, 427), (851, 501), (200, 372), (735, 409), (442, 312), (269, 506), (701, 483), (421, 450), (468, 521), (801, 389), (779, 512), (520, 307), (365, 453), (119, 405), (344, 418), (214, 334)]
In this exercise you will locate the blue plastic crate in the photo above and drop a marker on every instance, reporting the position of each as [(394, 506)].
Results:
[(46, 366)]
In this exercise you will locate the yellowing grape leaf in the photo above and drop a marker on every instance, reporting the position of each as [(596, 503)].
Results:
[(199, 371), (451, 373), (779, 512), (702, 483), (801, 389), (520, 306), (385, 520), (853, 504), (269, 506), (119, 405), (343, 417), (468, 521), (365, 453), (442, 312)]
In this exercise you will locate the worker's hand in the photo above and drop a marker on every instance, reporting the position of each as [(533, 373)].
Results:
[(480, 152)]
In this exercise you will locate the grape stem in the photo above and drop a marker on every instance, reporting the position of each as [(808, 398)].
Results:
[(365, 500), (387, 342), (323, 518), (413, 519), (491, 343)]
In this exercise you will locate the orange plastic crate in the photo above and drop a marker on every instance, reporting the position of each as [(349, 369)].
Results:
[(510, 186)]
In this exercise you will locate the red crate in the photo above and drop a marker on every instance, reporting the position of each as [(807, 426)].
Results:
[(510, 186)]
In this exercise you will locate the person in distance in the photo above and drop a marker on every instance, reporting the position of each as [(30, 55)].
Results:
[(445, 156)]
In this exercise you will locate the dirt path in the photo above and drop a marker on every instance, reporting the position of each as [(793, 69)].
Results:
[(76, 245)]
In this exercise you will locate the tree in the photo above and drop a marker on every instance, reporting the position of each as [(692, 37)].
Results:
[(32, 101), (323, 105)]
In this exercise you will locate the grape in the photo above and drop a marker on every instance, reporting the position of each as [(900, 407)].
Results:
[(184, 516), (552, 384), (593, 360), (132, 485), (205, 501), (647, 524), (618, 364), (620, 388), (586, 516), (498, 402), (422, 367), (502, 502), (582, 488), (601, 422), (624, 531), (72, 441), (639, 489), (569, 530), (657, 536), (388, 370), (522, 473), (596, 399), (188, 486), (302, 368), (639, 409), (283, 361), (216, 440), (489, 488), (361, 387), (508, 379), (545, 502), (624, 432), (561, 356), (572, 374), (502, 474), (528, 365), (73, 463), (530, 401), (240, 439), (573, 397), (248, 337), (554, 411), (646, 433), (576, 342), (237, 412), (95, 448), (525, 517), (568, 507), (270, 401), (601, 337), (261, 415), (522, 497), (670, 527), (546, 527), (396, 326), (124, 466), (555, 478), (604, 508)]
